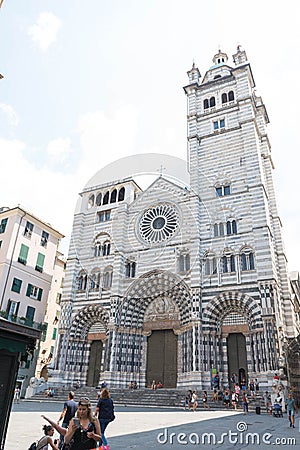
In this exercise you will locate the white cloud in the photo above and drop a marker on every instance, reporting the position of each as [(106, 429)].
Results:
[(44, 31), (102, 136), (59, 150), (50, 195), (10, 113)]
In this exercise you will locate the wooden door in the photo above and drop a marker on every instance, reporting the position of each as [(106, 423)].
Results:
[(94, 363), (237, 356), (162, 358)]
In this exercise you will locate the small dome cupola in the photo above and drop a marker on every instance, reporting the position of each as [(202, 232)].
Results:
[(220, 58)]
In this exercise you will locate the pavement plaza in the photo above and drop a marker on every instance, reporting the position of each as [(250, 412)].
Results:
[(148, 428)]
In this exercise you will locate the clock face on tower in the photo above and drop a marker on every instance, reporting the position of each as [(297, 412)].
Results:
[(158, 223)]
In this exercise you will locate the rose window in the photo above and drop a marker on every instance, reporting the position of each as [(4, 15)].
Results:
[(158, 224)]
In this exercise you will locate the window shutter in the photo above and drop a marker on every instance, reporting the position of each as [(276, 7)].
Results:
[(40, 262), (8, 306), (28, 292), (40, 294), (23, 253)]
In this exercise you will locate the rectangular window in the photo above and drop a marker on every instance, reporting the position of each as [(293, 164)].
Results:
[(12, 309), (222, 123), (54, 333), (103, 216), (3, 225), (44, 332), (16, 285), (216, 125), (40, 262), (23, 254), (28, 229), (30, 314), (34, 292), (219, 191), (44, 239), (226, 190), (58, 298), (0, 244)]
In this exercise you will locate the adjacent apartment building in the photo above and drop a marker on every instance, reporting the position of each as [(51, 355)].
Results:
[(28, 260)]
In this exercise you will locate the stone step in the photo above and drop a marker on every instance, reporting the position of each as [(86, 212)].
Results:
[(141, 397)]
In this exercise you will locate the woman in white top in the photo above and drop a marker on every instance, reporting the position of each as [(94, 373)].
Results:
[(194, 400), (45, 441)]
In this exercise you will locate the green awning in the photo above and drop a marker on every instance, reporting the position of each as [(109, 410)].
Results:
[(12, 346)]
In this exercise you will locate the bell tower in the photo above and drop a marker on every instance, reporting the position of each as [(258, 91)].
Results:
[(230, 166)]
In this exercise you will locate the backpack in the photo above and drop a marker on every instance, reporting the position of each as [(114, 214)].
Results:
[(33, 446)]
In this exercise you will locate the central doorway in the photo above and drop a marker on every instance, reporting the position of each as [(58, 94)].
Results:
[(237, 356), (162, 358), (94, 363)]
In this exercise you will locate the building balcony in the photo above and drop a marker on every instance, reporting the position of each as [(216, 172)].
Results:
[(21, 320)]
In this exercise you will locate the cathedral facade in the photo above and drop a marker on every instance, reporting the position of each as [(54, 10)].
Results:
[(187, 277)]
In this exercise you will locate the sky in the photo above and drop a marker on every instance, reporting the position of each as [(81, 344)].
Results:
[(88, 82)]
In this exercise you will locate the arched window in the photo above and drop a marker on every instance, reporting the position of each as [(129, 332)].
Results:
[(224, 98), (97, 249), (222, 190), (221, 229), (216, 230), (251, 261), (184, 263), (121, 195), (232, 263), (234, 227), (130, 269), (113, 196), (107, 278), (230, 96), (82, 281), (91, 201), (247, 260), (225, 264), (243, 261), (210, 264), (212, 102), (228, 228), (106, 198), (228, 261), (98, 199), (207, 267), (205, 104), (106, 249), (93, 281)]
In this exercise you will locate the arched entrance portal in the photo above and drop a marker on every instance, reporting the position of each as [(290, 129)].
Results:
[(156, 307), (237, 356), (88, 334), (162, 358), (161, 317)]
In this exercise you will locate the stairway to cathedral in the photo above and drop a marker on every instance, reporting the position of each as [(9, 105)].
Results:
[(144, 397)]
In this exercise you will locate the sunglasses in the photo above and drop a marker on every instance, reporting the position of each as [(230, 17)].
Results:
[(84, 401)]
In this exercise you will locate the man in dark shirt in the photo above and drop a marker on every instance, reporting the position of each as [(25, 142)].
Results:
[(69, 411)]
